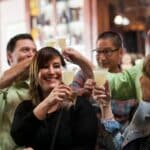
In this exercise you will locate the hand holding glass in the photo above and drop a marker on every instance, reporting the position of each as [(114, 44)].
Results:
[(67, 77), (100, 76)]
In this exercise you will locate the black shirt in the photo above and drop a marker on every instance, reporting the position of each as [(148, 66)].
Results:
[(77, 129)]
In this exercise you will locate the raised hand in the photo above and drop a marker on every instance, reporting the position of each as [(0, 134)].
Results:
[(53, 101), (71, 55), (102, 94), (57, 96), (76, 57), (89, 86)]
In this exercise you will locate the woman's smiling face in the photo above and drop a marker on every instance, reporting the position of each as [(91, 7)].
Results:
[(50, 75)]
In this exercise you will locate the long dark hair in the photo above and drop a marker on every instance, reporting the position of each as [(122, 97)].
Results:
[(39, 60)]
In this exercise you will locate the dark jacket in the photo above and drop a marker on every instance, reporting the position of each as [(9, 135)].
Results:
[(77, 129)]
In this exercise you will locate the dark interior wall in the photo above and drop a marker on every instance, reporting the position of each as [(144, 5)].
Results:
[(130, 41), (134, 41)]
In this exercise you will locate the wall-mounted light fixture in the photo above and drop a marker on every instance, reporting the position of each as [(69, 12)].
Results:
[(121, 20)]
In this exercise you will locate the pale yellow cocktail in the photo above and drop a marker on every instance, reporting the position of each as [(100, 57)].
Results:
[(100, 76), (67, 76), (62, 43)]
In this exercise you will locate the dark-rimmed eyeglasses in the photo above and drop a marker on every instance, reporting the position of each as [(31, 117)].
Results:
[(107, 52)]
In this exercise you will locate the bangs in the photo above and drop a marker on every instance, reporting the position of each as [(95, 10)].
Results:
[(46, 54)]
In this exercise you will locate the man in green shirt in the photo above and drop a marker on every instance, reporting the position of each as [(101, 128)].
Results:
[(109, 51), (14, 84), (126, 85)]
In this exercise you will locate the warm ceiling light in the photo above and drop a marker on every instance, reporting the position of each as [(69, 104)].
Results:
[(121, 20), (125, 21)]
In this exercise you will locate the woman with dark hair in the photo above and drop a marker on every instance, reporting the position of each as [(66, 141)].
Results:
[(44, 123)]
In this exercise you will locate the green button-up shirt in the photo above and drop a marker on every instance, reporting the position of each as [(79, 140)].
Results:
[(9, 100), (126, 85)]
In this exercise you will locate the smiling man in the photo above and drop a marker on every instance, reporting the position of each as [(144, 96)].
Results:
[(20, 50), (14, 84)]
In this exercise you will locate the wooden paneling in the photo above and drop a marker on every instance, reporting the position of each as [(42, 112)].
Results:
[(28, 20), (88, 24), (100, 18), (96, 20)]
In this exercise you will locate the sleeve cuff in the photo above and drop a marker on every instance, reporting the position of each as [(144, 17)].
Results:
[(111, 126)]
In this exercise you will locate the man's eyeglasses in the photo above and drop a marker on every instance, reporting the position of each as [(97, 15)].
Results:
[(107, 52)]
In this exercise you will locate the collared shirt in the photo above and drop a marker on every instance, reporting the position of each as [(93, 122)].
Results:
[(126, 85), (140, 124), (123, 111), (109, 137), (9, 100)]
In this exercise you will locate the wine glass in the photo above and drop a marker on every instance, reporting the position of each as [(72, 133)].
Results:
[(61, 42), (67, 78), (52, 43), (100, 75)]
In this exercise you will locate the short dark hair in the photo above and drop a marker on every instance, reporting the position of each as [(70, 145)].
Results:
[(114, 36), (12, 42)]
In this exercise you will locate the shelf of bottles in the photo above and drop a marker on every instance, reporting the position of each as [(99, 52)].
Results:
[(64, 18), (70, 21)]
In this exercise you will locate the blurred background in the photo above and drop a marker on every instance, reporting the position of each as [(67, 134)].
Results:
[(79, 21)]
